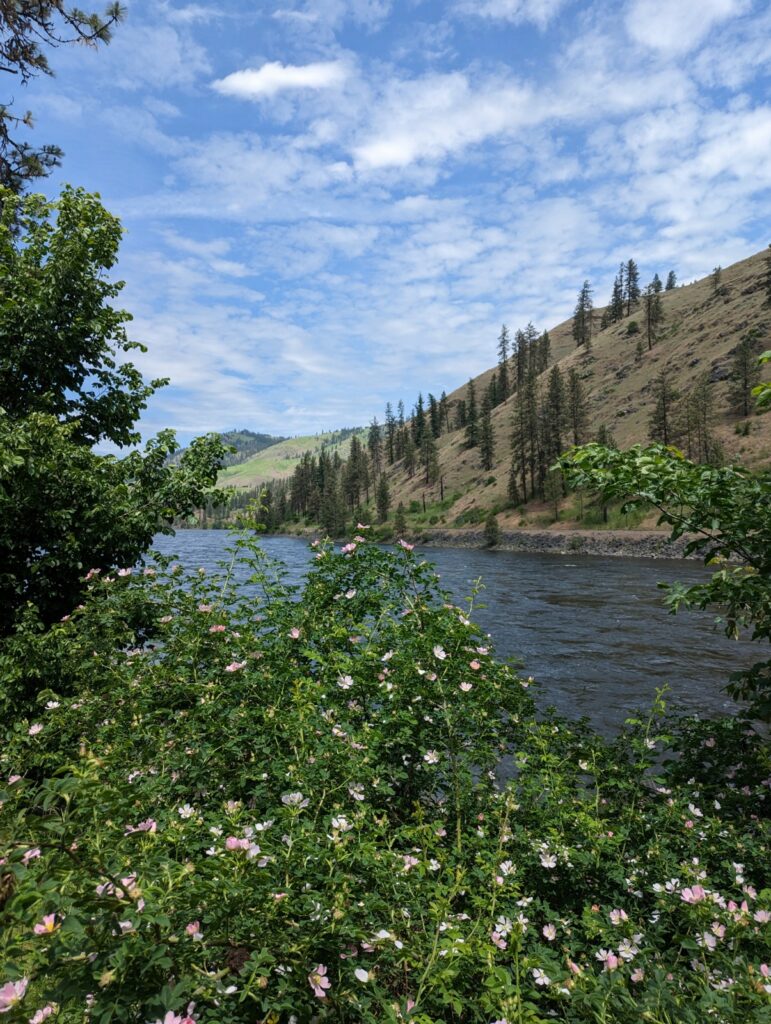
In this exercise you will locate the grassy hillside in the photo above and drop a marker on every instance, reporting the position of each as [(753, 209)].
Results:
[(699, 334), (279, 460)]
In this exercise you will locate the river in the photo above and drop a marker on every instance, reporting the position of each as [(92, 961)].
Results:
[(593, 631)]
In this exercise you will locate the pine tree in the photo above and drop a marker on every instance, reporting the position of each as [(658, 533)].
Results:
[(418, 422), (429, 458), (444, 414), (433, 416), (410, 454), (492, 530), (671, 281), (692, 424), (656, 284), (460, 414), (554, 415), (518, 441), (661, 423), (383, 499), (504, 345), (577, 410), (492, 390), (582, 317), (544, 352), (487, 437), (390, 432), (400, 521), (654, 314), (605, 437), (375, 445), (631, 286), (472, 424), (745, 373), (520, 358), (512, 489), (616, 306), (715, 277)]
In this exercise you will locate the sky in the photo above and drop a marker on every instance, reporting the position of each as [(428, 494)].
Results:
[(332, 204)]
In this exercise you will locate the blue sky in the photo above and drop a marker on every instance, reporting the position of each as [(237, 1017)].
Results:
[(330, 204)]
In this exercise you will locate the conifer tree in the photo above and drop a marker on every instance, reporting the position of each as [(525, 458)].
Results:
[(504, 346), (383, 499), (492, 390), (418, 422), (410, 454), (460, 414), (661, 423), (715, 277), (671, 281), (444, 414), (400, 521), (472, 423), (692, 424), (554, 415), (631, 286), (745, 373), (518, 441), (654, 314), (582, 317), (656, 284), (532, 429), (433, 416), (512, 488), (577, 408), (375, 445), (616, 305), (390, 432), (544, 352), (487, 437), (605, 437), (429, 458), (492, 530), (520, 358)]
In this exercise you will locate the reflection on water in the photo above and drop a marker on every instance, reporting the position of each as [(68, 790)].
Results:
[(592, 631)]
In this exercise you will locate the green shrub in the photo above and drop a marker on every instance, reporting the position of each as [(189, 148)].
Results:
[(283, 804)]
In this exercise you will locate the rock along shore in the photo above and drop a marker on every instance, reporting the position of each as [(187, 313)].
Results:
[(614, 543)]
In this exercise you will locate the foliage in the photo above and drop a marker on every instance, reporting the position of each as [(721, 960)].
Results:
[(294, 807), (492, 530), (64, 386), (25, 25), (762, 392), (725, 512)]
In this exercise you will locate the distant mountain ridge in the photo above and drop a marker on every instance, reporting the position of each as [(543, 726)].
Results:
[(246, 442)]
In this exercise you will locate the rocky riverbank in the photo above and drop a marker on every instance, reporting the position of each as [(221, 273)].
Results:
[(618, 543)]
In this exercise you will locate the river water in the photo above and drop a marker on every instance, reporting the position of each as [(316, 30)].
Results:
[(592, 631)]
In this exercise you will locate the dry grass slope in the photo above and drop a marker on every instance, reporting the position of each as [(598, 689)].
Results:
[(699, 335)]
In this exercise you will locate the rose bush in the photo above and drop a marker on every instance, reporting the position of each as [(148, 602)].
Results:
[(334, 803)]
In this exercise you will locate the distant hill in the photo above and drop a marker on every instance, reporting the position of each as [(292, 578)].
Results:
[(279, 459), (246, 443)]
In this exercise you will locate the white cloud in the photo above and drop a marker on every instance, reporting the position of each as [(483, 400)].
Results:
[(433, 116), (540, 12), (275, 77), (677, 26)]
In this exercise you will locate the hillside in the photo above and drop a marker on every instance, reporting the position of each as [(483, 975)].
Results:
[(279, 460), (246, 443), (699, 333)]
